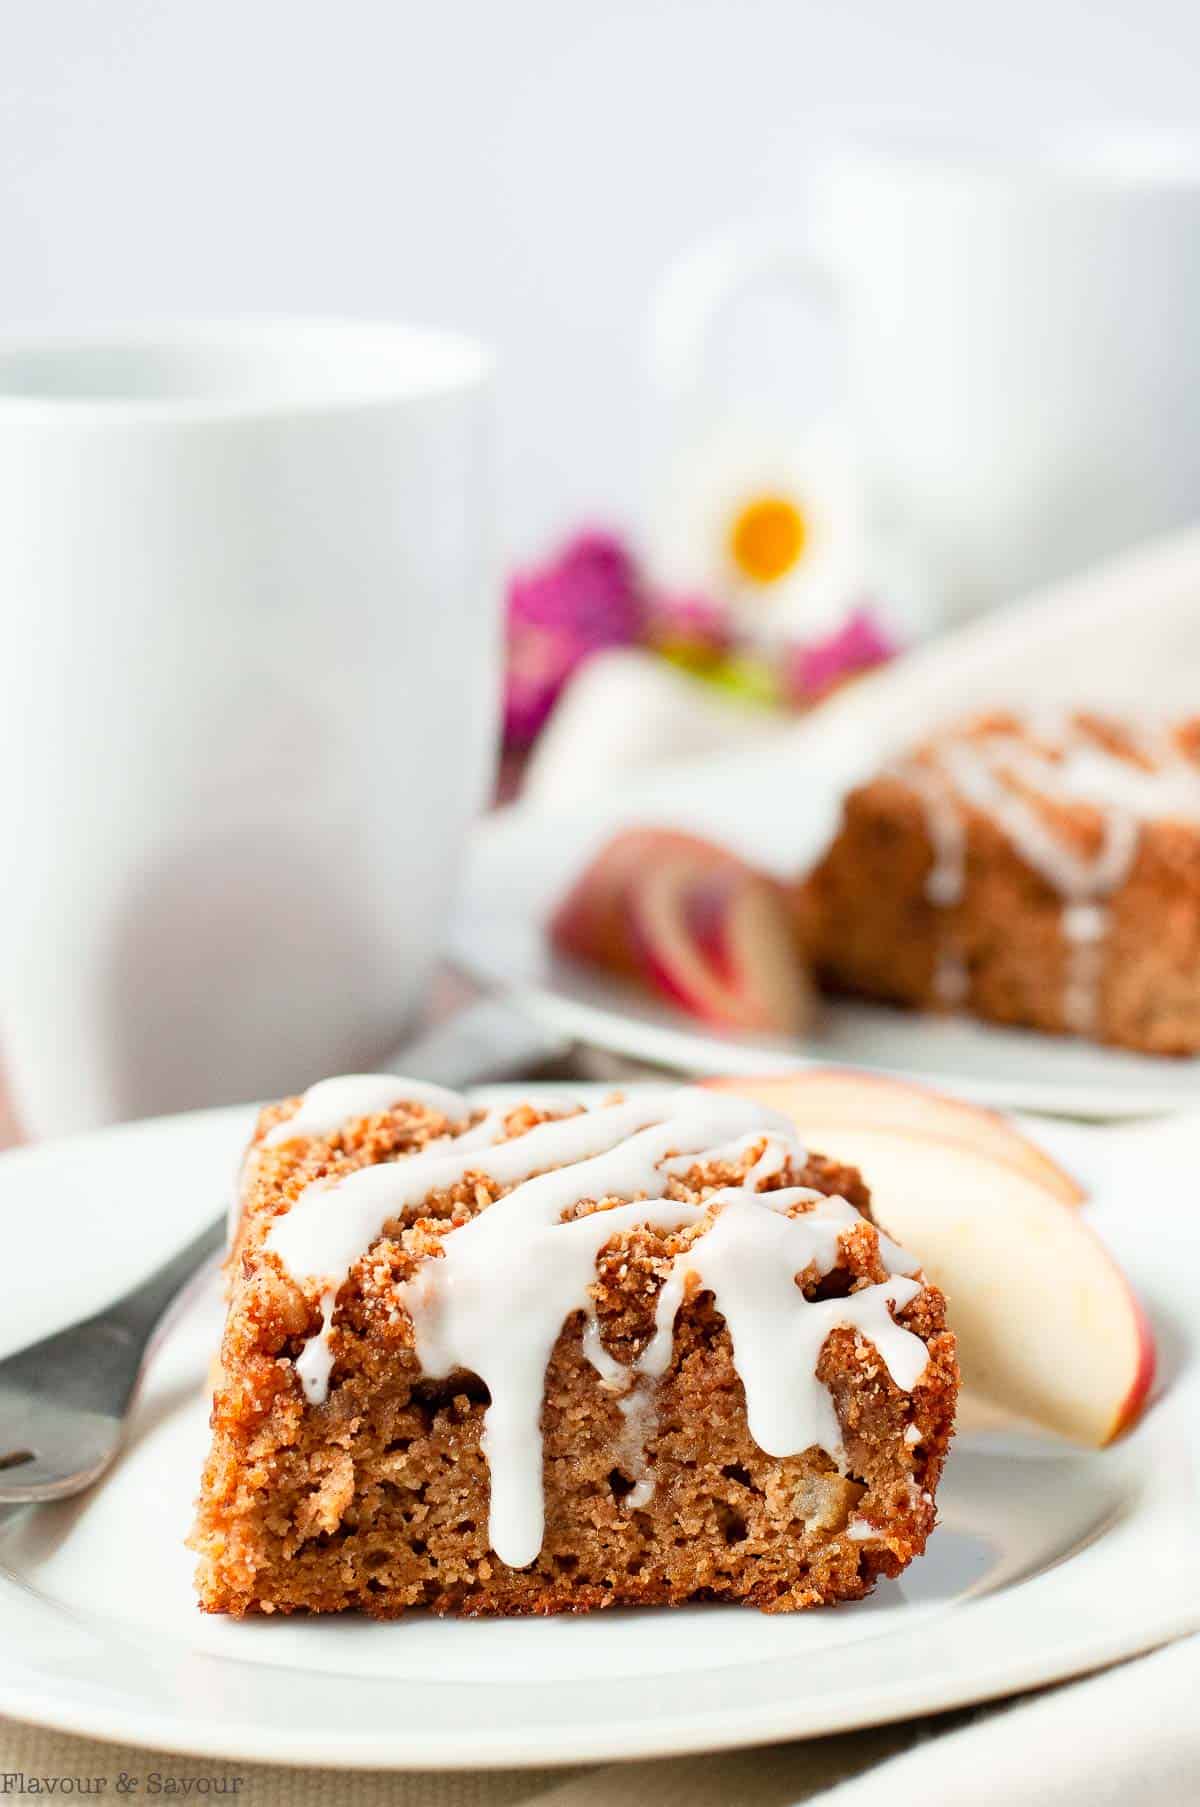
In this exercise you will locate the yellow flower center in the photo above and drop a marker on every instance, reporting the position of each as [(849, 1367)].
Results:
[(767, 538)]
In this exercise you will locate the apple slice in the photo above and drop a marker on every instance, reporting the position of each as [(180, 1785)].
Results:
[(1048, 1327), (831, 1095), (692, 923), (715, 941)]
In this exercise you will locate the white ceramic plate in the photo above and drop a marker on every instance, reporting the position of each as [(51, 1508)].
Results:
[(1046, 1563), (776, 805)]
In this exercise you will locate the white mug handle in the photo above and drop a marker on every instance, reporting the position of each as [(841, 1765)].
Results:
[(710, 278)]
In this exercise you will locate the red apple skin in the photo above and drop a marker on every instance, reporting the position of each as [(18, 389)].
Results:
[(591, 923), (656, 970), (715, 906), (1143, 1380), (739, 973), (653, 958)]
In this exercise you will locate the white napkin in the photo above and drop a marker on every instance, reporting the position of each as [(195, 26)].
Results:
[(628, 710), (1130, 1734), (1127, 1735)]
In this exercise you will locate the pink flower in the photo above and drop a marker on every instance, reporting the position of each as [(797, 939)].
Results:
[(859, 643), (587, 598)]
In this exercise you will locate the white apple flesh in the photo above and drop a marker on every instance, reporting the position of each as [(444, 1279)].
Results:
[(825, 1095)]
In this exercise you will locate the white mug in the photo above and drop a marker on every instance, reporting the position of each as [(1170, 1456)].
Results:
[(1023, 364), (248, 702)]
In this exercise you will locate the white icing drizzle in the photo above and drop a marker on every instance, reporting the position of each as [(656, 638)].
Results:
[(1077, 770), (507, 1280), (947, 876), (331, 1103), (314, 1364), (332, 1224), (951, 975), (748, 1260), (636, 1404), (975, 770)]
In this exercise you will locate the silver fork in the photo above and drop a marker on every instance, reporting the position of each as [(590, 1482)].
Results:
[(63, 1401)]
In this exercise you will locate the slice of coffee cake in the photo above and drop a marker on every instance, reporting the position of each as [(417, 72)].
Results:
[(550, 1358), (1044, 874)]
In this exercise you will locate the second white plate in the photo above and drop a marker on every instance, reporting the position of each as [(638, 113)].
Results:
[(777, 810)]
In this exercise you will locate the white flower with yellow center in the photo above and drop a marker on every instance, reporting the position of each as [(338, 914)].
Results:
[(773, 532)]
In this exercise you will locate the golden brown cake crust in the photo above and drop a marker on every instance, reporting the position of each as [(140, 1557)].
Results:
[(378, 1498), (866, 924)]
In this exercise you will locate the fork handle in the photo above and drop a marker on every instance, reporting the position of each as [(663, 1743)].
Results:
[(93, 1366)]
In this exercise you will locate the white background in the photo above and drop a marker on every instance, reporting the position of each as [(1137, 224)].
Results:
[(520, 168)]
